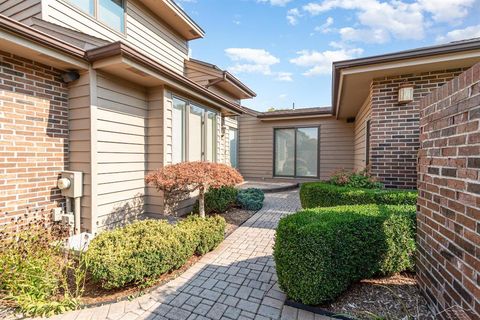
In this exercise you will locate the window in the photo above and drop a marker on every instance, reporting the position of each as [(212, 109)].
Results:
[(194, 132), (178, 130), (367, 143), (296, 152), (87, 6), (109, 12), (233, 137)]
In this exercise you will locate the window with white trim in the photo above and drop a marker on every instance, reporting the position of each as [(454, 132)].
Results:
[(194, 132), (109, 12)]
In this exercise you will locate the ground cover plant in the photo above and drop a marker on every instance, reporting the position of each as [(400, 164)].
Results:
[(251, 199), (320, 252)]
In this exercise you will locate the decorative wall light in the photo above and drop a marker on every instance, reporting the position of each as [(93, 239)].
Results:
[(405, 93)]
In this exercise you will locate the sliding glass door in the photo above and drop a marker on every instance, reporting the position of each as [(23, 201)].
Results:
[(296, 152)]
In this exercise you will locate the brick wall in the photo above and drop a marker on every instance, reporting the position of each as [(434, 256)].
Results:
[(395, 127), (33, 137), (448, 219)]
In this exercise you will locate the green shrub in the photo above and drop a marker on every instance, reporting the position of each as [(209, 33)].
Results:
[(320, 252), (147, 249), (251, 199), (323, 194), (360, 179), (209, 232), (218, 200)]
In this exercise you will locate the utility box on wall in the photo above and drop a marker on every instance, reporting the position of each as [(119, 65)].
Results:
[(71, 184)]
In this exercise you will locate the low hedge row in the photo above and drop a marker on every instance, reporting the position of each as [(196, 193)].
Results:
[(324, 194), (147, 249), (320, 252)]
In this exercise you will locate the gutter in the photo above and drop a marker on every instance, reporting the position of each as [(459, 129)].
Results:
[(119, 48), (42, 38), (453, 47), (309, 113)]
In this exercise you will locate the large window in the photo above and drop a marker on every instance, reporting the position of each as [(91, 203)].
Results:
[(109, 12), (233, 137), (178, 130), (194, 132), (296, 152)]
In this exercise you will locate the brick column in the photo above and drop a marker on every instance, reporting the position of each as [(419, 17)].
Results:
[(395, 127), (448, 220)]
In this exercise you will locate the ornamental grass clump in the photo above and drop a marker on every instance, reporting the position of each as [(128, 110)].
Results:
[(187, 177), (38, 276)]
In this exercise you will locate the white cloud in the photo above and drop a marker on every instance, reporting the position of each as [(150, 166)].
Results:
[(284, 76), (319, 63), (248, 60), (279, 3), (447, 10), (399, 19), (369, 36), (282, 96), (293, 15), (461, 34), (325, 27)]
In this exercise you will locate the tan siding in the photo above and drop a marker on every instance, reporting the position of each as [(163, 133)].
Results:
[(360, 132), (256, 145), (143, 31), (154, 203), (80, 143), (121, 150), (224, 94), (21, 10)]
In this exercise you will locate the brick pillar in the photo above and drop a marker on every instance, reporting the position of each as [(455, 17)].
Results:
[(448, 219)]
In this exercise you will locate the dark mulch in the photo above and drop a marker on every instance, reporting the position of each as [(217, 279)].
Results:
[(392, 298), (235, 217)]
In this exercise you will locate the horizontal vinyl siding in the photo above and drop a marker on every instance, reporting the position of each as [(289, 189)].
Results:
[(143, 31), (79, 141), (360, 133), (121, 150), (21, 10), (256, 145)]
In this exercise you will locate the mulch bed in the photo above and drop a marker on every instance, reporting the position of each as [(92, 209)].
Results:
[(392, 298)]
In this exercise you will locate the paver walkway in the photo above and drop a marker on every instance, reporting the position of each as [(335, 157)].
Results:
[(235, 281)]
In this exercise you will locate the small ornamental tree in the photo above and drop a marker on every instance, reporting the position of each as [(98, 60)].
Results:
[(188, 177)]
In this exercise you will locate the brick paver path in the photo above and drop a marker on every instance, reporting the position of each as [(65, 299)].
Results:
[(235, 281)]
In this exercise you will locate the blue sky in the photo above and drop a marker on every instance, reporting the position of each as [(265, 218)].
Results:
[(283, 49)]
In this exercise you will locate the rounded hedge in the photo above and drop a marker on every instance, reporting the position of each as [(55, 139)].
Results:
[(251, 199), (323, 194), (147, 249), (320, 252), (218, 200)]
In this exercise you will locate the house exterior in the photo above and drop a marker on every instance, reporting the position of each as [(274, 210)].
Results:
[(105, 88), (366, 127)]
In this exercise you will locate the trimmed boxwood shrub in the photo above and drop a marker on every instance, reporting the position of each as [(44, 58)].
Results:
[(219, 200), (251, 199), (324, 194), (147, 249), (320, 252), (208, 232)]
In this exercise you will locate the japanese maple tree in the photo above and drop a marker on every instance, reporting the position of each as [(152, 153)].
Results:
[(188, 177)]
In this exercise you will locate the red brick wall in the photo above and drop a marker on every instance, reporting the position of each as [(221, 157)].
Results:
[(395, 127), (448, 219), (33, 137)]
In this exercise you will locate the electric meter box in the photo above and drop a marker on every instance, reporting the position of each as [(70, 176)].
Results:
[(73, 188)]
